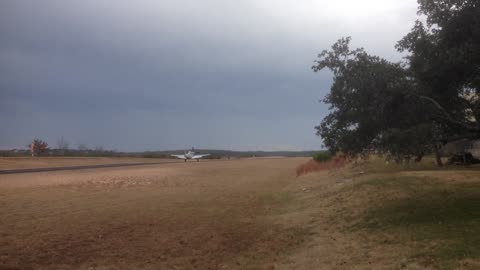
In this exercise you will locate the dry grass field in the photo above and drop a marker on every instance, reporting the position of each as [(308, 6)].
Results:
[(205, 215), (241, 214), (10, 163)]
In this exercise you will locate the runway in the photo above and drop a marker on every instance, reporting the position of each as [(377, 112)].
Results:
[(100, 166), (83, 167)]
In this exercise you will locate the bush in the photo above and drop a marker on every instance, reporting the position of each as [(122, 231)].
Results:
[(322, 156)]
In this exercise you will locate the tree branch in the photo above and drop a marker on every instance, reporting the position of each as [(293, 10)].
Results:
[(447, 116)]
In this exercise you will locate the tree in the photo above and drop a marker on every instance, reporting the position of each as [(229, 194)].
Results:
[(444, 60), (414, 107), (38, 147), (372, 105), (63, 144)]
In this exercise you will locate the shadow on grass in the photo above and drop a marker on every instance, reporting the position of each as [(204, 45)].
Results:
[(443, 218), (376, 164)]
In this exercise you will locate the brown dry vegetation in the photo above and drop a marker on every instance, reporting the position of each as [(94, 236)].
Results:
[(312, 165), (374, 215), (205, 215), (242, 214)]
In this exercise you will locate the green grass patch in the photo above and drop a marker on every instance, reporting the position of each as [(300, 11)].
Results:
[(442, 218)]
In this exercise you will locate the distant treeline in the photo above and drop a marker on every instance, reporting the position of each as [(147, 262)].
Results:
[(214, 154), (68, 153)]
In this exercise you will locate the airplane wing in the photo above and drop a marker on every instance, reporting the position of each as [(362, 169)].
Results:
[(200, 156), (179, 156)]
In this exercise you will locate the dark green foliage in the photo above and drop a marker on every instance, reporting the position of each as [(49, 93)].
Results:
[(408, 109), (322, 156), (444, 60), (372, 105)]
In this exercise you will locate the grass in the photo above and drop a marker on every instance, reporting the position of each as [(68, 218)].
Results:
[(278, 201), (207, 215), (376, 164), (438, 220), (10, 163), (243, 214)]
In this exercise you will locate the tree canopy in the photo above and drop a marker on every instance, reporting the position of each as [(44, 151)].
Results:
[(412, 107)]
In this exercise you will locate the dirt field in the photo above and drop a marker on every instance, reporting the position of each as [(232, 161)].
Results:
[(240, 214)]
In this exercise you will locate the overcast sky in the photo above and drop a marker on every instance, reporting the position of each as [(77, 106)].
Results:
[(156, 74)]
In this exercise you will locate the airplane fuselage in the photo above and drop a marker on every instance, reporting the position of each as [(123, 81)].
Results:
[(190, 155)]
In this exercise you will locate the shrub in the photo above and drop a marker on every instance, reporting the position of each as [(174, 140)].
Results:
[(322, 156)]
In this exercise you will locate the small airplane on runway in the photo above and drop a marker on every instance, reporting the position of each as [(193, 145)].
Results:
[(190, 155)]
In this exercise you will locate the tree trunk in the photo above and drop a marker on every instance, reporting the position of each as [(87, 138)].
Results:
[(419, 157), (437, 156)]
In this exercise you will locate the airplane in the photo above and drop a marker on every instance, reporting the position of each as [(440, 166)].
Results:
[(190, 155)]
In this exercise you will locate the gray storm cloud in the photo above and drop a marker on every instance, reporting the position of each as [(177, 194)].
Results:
[(138, 75)]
